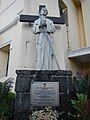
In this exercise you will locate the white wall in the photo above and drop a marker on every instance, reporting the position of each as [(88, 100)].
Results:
[(73, 30), (9, 10), (27, 48), (86, 17), (14, 34), (32, 6), (74, 38)]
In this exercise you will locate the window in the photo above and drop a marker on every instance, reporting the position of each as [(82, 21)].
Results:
[(4, 60)]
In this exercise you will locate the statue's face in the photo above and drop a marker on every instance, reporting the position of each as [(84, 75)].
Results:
[(44, 11)]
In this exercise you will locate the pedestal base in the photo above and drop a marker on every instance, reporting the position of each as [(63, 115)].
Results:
[(23, 107)]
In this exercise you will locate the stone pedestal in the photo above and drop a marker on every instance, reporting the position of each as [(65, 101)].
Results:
[(22, 88)]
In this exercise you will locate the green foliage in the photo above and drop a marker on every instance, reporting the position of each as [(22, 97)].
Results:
[(82, 105), (81, 99), (80, 85), (6, 99)]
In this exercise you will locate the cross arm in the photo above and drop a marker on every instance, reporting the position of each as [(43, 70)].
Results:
[(32, 18)]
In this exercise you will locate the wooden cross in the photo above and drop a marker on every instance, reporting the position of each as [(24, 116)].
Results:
[(32, 18)]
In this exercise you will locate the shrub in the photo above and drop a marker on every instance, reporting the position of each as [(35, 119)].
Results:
[(6, 101)]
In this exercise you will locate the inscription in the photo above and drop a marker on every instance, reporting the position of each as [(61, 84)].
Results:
[(44, 94)]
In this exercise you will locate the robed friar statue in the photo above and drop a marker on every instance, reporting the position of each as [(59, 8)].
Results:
[(43, 28)]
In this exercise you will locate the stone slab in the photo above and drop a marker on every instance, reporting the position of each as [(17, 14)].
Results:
[(22, 83), (22, 101)]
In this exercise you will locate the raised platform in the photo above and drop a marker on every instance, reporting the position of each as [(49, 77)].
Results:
[(23, 89)]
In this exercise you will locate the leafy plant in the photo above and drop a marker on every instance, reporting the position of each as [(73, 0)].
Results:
[(81, 99), (6, 101), (80, 85), (82, 104), (82, 107)]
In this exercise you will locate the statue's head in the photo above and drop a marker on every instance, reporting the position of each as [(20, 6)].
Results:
[(43, 11)]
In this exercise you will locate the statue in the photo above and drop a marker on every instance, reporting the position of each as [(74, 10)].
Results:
[(43, 28)]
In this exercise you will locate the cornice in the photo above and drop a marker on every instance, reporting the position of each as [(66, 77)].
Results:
[(10, 25), (81, 0)]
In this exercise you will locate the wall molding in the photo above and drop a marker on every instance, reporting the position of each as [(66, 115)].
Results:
[(10, 25), (7, 7), (81, 0), (5, 44)]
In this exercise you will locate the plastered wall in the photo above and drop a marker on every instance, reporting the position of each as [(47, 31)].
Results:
[(9, 10), (73, 29), (86, 18), (14, 34), (32, 6)]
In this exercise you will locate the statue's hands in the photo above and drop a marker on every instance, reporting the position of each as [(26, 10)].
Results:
[(43, 25)]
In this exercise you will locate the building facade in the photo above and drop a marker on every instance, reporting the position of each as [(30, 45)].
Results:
[(71, 40)]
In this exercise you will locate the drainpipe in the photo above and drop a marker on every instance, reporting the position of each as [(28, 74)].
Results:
[(68, 42)]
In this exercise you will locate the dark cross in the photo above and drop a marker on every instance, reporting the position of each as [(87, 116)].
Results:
[(32, 18)]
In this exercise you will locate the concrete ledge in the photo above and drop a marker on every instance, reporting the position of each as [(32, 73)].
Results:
[(82, 54), (41, 72)]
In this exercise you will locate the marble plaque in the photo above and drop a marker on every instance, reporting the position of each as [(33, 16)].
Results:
[(44, 94)]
